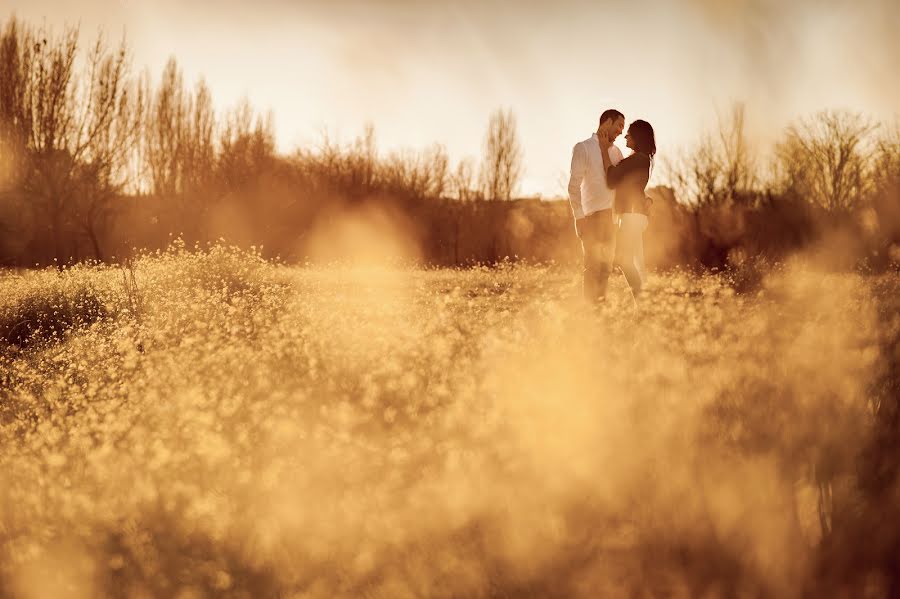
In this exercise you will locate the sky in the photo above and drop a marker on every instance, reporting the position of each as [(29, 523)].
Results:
[(432, 72)]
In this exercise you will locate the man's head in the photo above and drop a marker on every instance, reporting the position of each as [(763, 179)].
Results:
[(612, 122)]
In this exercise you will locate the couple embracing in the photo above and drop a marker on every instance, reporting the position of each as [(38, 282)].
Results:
[(607, 195)]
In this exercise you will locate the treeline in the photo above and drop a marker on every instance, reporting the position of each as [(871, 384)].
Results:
[(96, 160), (830, 187)]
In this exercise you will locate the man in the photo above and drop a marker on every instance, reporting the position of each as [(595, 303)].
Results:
[(592, 203)]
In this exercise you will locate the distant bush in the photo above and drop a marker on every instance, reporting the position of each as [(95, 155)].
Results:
[(218, 268), (46, 307)]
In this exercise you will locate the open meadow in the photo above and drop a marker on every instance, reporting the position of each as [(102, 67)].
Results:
[(207, 423)]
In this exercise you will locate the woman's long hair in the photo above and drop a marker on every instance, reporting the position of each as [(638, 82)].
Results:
[(644, 139)]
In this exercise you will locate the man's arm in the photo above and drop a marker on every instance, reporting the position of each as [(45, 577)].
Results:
[(576, 175)]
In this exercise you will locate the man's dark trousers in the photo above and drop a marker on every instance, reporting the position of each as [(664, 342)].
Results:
[(597, 233)]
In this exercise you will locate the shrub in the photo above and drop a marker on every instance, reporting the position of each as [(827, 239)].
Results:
[(45, 307)]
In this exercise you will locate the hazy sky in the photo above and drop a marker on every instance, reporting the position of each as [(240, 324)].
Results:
[(432, 71)]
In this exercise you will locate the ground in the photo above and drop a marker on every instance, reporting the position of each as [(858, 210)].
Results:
[(211, 424)]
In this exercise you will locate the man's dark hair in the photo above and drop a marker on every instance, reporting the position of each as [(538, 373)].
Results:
[(611, 113)]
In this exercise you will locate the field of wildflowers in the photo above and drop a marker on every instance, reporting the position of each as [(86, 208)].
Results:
[(207, 423)]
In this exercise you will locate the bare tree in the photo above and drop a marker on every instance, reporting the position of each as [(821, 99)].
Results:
[(416, 174), (463, 184), (362, 160), (887, 159), (166, 131), (111, 109), (886, 181), (739, 164), (721, 168), (139, 179), (69, 130), (197, 187), (246, 146), (48, 120), (435, 163), (13, 131), (14, 114), (825, 159), (179, 146), (502, 164), (355, 169), (198, 143)]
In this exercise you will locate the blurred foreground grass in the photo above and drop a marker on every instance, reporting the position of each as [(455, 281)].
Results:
[(222, 426)]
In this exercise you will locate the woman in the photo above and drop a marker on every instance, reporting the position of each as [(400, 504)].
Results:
[(629, 179)]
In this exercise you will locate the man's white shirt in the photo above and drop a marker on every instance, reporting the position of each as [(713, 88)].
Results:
[(588, 192)]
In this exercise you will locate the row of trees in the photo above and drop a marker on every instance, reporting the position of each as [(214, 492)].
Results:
[(831, 183), (94, 159), (78, 131), (837, 160), (357, 169)]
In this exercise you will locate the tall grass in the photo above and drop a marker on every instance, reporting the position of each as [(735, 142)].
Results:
[(345, 431)]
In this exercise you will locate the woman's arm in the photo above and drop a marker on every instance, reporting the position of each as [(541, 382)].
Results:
[(605, 145), (615, 173)]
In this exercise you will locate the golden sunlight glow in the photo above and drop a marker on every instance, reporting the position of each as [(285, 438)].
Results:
[(342, 356)]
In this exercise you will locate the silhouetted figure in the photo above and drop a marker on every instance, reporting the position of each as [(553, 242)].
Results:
[(629, 178), (592, 202)]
